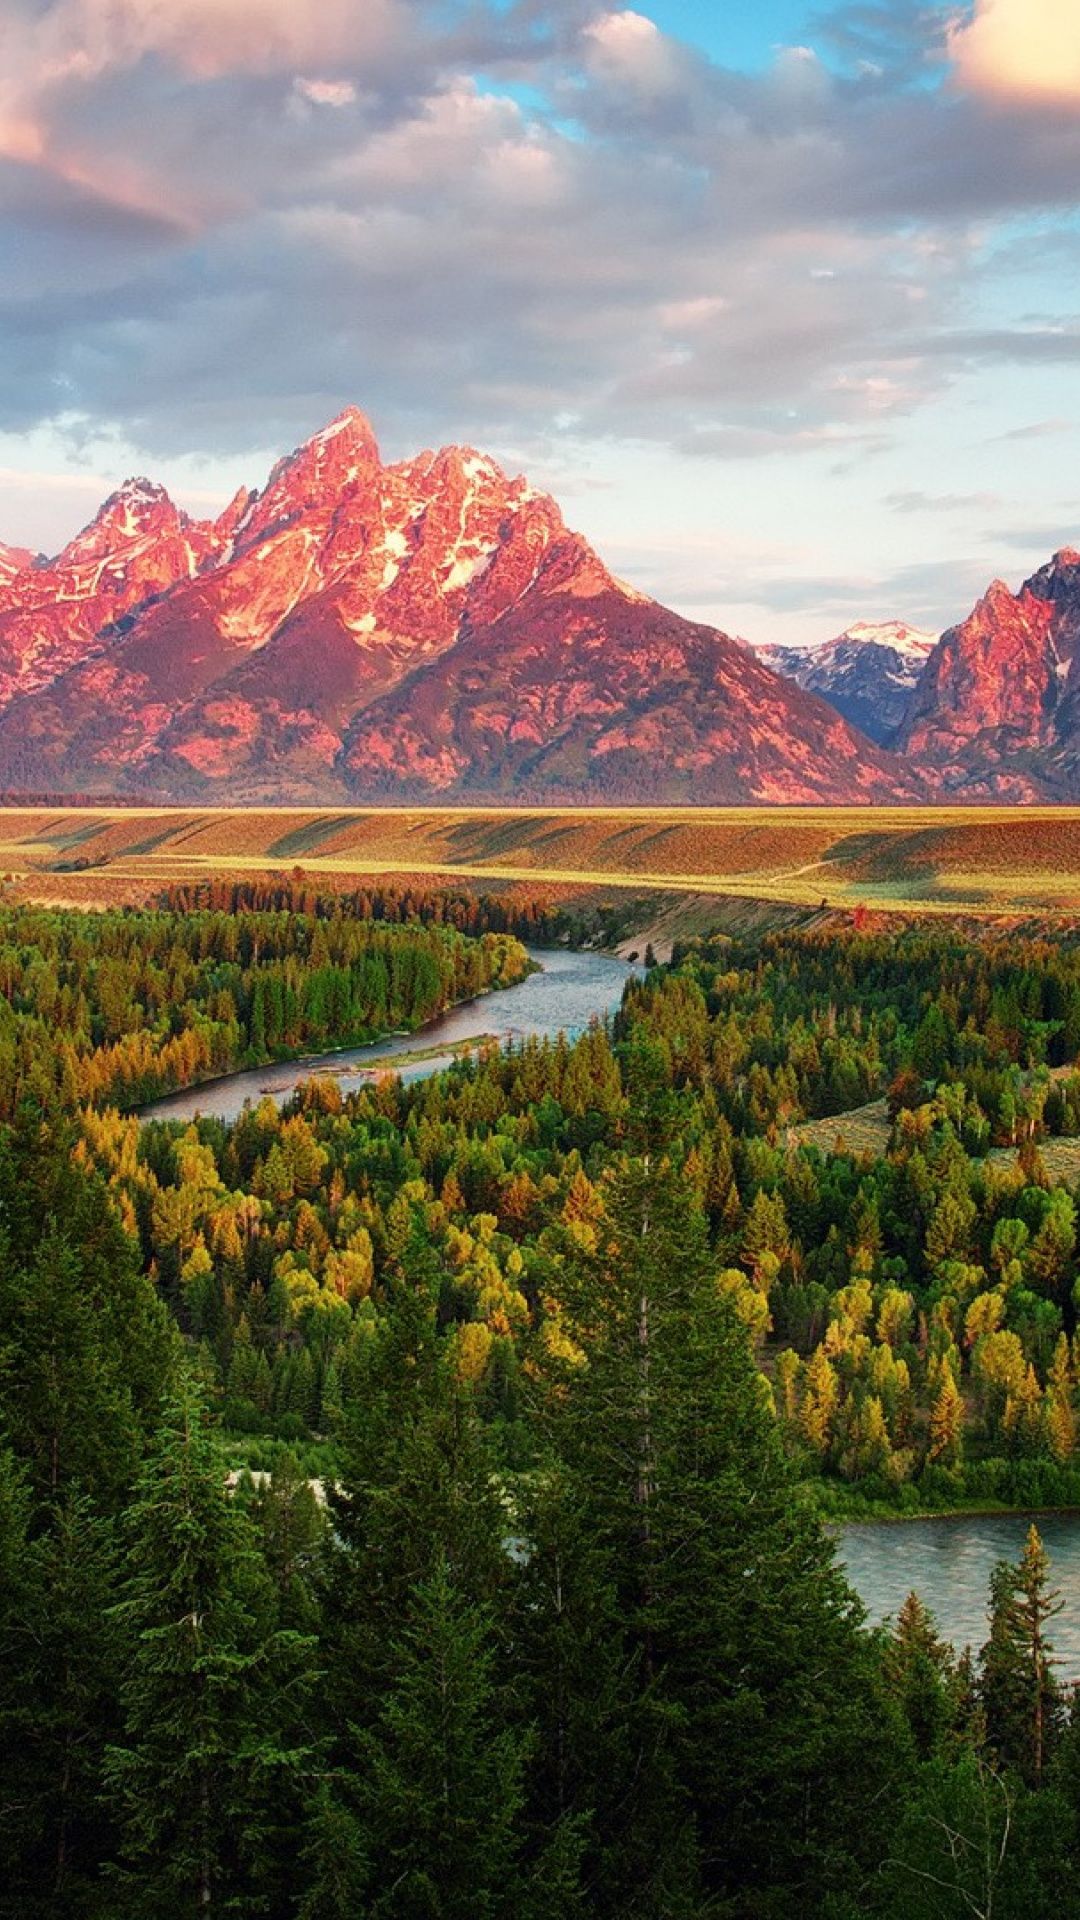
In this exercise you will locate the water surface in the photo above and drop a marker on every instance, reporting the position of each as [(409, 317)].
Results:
[(948, 1563), (570, 990)]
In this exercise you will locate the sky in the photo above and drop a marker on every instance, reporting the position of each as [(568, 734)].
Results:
[(780, 300)]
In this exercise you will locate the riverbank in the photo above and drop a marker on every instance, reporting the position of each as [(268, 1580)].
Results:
[(331, 1062), (563, 990), (846, 1507)]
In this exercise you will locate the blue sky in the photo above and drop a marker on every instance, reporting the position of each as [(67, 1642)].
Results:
[(781, 302), (736, 35)]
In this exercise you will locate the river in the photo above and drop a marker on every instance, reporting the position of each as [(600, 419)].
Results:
[(948, 1563), (570, 990)]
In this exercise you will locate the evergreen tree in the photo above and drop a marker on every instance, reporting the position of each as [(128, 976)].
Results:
[(920, 1673), (946, 1423), (204, 1779), (1021, 1697), (755, 1693), (291, 1526), (439, 1769), (64, 1651), (416, 1605)]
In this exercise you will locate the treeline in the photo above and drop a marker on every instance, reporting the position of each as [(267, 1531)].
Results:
[(120, 1007), (531, 919), (627, 1682)]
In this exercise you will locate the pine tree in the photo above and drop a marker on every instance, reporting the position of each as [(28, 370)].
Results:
[(64, 1652), (1020, 1695), (725, 1587), (291, 1526), (20, 1602), (439, 1770), (921, 1676), (589, 1779), (947, 1423), (68, 1381), (416, 1603), (204, 1777), (1060, 1404)]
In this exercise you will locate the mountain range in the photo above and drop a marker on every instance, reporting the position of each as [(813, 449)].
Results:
[(431, 630)]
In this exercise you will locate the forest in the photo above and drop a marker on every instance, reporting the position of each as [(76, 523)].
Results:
[(411, 1502), (119, 1007)]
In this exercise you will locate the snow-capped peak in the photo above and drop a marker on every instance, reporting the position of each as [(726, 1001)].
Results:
[(351, 420), (914, 643)]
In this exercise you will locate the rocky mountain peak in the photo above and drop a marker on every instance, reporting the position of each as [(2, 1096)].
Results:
[(360, 630), (317, 475), (14, 560), (867, 672), (138, 510)]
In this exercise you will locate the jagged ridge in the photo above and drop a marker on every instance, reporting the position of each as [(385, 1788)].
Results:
[(361, 630), (868, 673)]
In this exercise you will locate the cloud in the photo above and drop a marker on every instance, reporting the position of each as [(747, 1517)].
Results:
[(918, 502), (326, 93), (479, 216), (79, 40), (1019, 50), (1050, 343), (629, 50), (1035, 430), (1037, 543)]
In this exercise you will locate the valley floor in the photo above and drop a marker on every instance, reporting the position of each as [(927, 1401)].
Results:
[(736, 865)]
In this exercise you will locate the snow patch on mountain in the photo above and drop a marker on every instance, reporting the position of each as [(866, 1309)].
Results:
[(868, 673)]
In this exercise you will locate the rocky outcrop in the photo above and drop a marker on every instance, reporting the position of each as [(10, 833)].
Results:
[(996, 713)]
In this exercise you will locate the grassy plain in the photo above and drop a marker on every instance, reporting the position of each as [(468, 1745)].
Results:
[(867, 1130), (1009, 861)]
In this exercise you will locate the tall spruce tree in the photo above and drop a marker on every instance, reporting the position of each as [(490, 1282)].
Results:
[(420, 1814), (1021, 1696), (205, 1777), (439, 1768), (759, 1716), (63, 1655), (921, 1675), (86, 1347)]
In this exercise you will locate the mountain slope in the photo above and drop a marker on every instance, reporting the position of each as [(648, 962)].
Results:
[(997, 710), (868, 673), (365, 630), (13, 560), (55, 613), (600, 696)]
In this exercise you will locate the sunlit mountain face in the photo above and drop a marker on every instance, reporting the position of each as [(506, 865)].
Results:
[(357, 629)]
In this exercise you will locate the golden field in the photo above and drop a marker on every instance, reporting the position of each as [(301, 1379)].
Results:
[(1012, 861)]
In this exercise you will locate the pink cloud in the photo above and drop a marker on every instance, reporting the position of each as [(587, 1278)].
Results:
[(1016, 49), (628, 50)]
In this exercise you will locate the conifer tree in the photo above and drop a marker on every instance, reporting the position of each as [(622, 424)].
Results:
[(64, 1652), (439, 1769), (416, 1608), (725, 1587), (947, 1423), (920, 1673), (204, 1776), (1020, 1694)]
